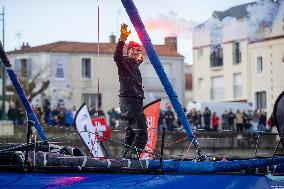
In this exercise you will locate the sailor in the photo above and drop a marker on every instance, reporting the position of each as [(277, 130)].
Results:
[(131, 95)]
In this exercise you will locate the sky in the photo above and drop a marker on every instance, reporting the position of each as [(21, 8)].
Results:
[(45, 21)]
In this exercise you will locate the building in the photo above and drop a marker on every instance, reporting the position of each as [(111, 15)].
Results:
[(239, 68), (266, 58), (78, 74)]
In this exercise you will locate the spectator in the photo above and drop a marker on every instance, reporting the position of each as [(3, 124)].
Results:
[(215, 121), (198, 120), (169, 117), (55, 111), (231, 120), (22, 116), (13, 114), (161, 120), (246, 123), (270, 123), (100, 112), (49, 118), (113, 116), (239, 121), (68, 118), (225, 120), (60, 116), (47, 114), (74, 111), (93, 111), (262, 121), (194, 118), (190, 117), (38, 113), (206, 118)]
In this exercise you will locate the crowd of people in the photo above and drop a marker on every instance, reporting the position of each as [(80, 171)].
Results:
[(56, 116), (239, 121), (208, 120)]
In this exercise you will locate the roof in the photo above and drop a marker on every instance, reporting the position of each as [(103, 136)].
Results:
[(239, 11), (80, 47)]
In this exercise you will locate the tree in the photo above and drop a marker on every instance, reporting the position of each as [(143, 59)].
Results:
[(32, 87)]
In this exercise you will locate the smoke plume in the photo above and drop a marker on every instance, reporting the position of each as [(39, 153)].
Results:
[(171, 25)]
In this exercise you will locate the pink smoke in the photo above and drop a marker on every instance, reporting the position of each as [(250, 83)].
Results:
[(171, 25)]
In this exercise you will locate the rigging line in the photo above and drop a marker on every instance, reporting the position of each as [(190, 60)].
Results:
[(58, 126), (119, 142), (187, 150), (176, 141), (37, 142)]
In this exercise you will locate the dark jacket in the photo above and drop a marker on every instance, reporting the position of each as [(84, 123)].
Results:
[(129, 74), (206, 116), (169, 116)]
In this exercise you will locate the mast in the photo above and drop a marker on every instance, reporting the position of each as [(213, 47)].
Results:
[(154, 59)]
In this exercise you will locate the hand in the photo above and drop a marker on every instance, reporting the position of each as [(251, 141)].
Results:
[(123, 32)]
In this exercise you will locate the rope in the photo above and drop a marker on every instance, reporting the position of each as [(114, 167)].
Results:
[(111, 139), (187, 150), (176, 141), (37, 142)]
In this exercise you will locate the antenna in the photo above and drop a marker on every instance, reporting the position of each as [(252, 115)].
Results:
[(19, 38), (98, 57)]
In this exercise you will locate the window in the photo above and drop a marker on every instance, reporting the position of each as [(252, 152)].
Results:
[(86, 68), (24, 68), (91, 100), (200, 52), (59, 70), (216, 57), (260, 100), (188, 81), (201, 84), (259, 64), (217, 90), (237, 79), (237, 56)]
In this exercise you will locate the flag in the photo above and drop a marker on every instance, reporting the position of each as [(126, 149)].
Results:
[(88, 133), (151, 112)]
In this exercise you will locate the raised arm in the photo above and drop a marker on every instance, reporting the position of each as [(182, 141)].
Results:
[(118, 54)]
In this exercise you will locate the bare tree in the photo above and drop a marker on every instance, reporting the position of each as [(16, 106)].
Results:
[(32, 87)]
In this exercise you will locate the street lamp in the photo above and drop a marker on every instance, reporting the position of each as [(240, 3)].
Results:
[(2, 18)]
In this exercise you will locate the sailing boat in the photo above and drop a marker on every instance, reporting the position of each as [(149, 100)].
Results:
[(46, 159)]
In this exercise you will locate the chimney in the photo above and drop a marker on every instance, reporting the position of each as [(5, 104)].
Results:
[(25, 46), (112, 38), (171, 42)]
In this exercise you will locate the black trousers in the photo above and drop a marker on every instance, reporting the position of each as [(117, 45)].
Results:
[(136, 130)]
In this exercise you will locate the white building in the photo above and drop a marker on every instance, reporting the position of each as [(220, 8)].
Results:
[(77, 74), (239, 69)]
